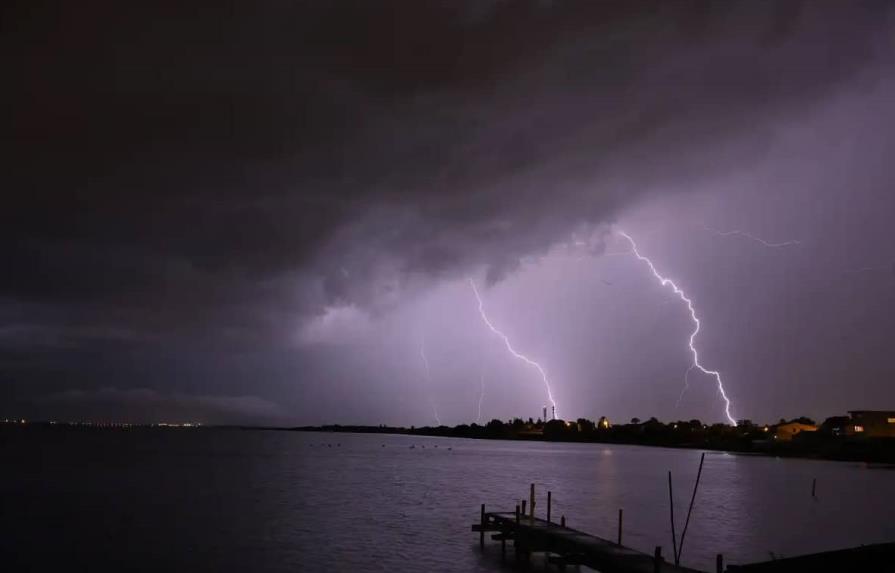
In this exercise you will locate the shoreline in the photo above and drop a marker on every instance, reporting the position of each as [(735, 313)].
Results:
[(875, 451), (869, 451)]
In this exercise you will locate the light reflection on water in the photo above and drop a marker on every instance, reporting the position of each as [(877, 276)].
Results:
[(277, 501)]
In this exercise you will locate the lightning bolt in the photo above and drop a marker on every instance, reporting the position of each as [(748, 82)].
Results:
[(428, 378), (665, 282), (889, 267), (510, 349), (685, 388), (481, 394), (750, 236)]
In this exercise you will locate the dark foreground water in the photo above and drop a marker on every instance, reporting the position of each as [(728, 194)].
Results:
[(230, 500)]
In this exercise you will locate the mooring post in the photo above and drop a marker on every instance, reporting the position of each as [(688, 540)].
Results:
[(671, 507), (620, 514), (562, 521), (549, 504), (531, 497), (523, 507), (657, 559), (517, 514), (814, 488), (680, 548), (719, 564), (503, 545), (482, 532)]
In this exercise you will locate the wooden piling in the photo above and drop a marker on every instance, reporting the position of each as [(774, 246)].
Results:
[(523, 508), (517, 514), (719, 564), (531, 504), (620, 515), (482, 533), (657, 559), (814, 488), (562, 521), (671, 508), (549, 504), (680, 549)]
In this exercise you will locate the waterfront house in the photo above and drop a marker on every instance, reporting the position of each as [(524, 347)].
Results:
[(785, 432), (837, 426), (872, 423)]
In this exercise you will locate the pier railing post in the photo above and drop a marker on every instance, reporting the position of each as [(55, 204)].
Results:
[(657, 559), (549, 504), (482, 533), (531, 497), (620, 515)]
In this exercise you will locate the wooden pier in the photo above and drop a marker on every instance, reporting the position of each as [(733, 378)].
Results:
[(566, 546), (563, 546)]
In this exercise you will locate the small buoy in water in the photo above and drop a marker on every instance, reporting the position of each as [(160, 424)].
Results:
[(412, 446), (436, 445), (450, 449), (338, 445), (383, 445)]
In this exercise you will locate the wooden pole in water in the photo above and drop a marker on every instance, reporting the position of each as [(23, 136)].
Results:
[(719, 564), (677, 557), (517, 514), (814, 488), (523, 507), (671, 506), (620, 515), (562, 521), (482, 532), (657, 559), (549, 504), (531, 497)]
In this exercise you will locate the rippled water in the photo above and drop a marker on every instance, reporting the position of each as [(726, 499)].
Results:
[(229, 500)]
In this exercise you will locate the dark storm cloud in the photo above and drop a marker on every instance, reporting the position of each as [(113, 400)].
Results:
[(231, 167), (143, 405)]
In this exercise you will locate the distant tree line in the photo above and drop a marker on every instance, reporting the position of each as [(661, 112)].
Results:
[(744, 437)]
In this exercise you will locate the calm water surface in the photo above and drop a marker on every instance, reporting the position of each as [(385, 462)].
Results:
[(229, 500)]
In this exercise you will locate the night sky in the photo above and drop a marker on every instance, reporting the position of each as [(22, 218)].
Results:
[(268, 212)]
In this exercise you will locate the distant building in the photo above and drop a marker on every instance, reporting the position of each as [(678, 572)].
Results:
[(837, 426), (786, 432), (604, 424), (872, 423)]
